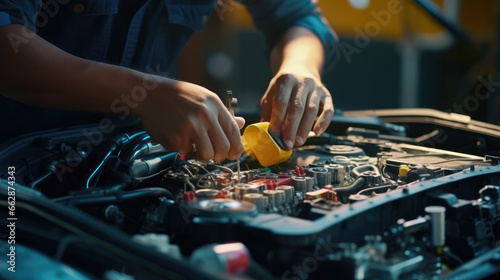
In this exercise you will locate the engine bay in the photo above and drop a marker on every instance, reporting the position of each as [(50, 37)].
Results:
[(369, 199)]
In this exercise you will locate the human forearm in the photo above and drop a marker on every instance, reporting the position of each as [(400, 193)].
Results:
[(176, 114), (298, 46), (38, 73), (296, 94)]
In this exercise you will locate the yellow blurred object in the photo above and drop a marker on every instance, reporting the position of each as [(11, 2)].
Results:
[(257, 141), (403, 170), (386, 18)]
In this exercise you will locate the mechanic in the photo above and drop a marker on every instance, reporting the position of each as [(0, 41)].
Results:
[(91, 55)]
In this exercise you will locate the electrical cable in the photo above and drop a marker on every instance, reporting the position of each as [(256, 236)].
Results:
[(152, 175), (205, 175), (373, 189), (117, 143), (187, 170), (228, 170), (224, 168), (127, 152), (193, 188), (123, 250), (28, 169), (40, 179), (108, 198)]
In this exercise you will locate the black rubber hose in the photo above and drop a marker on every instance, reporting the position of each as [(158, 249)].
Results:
[(72, 219), (111, 147), (147, 166), (88, 199), (344, 192), (360, 169), (323, 139)]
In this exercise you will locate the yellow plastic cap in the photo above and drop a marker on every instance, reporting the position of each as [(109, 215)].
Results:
[(257, 141), (403, 170)]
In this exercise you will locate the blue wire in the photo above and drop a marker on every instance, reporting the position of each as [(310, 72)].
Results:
[(97, 169)]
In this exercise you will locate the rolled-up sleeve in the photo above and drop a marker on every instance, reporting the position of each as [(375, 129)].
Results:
[(274, 17), (23, 12)]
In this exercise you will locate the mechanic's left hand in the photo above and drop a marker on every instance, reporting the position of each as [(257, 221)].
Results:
[(292, 102)]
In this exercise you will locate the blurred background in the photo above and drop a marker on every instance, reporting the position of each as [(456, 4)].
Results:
[(405, 60)]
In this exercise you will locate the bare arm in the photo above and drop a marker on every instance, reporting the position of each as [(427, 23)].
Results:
[(176, 114), (41, 74), (296, 94), (298, 46)]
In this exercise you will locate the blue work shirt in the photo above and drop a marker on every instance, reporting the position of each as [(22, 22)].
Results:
[(156, 30), (139, 34)]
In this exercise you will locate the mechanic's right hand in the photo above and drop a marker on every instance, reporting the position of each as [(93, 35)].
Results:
[(178, 114)]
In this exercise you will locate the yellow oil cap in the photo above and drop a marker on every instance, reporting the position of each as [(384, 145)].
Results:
[(257, 141), (403, 170)]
